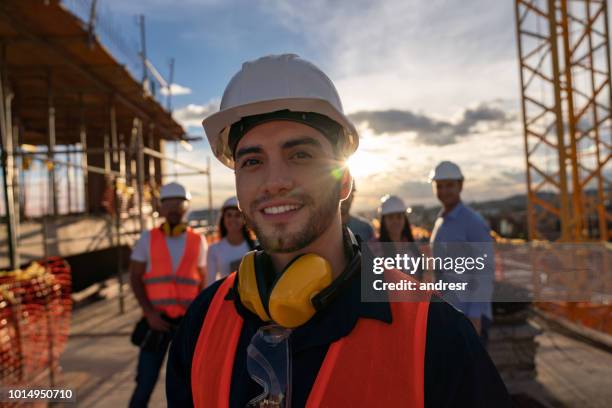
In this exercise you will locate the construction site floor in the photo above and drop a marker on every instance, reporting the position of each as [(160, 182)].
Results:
[(99, 363), (573, 372)]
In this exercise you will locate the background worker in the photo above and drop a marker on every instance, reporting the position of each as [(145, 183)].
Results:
[(225, 256), (282, 129), (167, 271), (457, 223), (395, 228), (358, 226)]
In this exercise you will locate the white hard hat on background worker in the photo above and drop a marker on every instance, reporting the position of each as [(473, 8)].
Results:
[(270, 84), (230, 202), (174, 190), (391, 204), (446, 170)]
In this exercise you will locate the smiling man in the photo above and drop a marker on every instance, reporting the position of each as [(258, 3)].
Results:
[(282, 129), (457, 223)]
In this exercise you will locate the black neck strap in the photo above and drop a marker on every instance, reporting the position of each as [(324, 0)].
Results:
[(353, 252), (266, 277)]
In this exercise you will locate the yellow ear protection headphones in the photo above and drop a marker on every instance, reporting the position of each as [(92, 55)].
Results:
[(292, 297), (173, 231)]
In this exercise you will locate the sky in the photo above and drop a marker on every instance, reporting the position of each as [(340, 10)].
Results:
[(422, 81)]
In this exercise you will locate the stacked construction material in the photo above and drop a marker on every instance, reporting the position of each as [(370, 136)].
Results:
[(512, 347), (512, 344), (35, 310)]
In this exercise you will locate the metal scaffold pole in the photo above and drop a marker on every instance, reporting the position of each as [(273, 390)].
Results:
[(51, 144), (7, 162), (83, 140), (140, 172), (209, 179), (117, 216)]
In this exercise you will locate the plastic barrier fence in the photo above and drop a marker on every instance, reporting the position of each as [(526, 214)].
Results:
[(35, 311)]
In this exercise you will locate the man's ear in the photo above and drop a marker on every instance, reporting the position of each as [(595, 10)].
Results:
[(346, 184)]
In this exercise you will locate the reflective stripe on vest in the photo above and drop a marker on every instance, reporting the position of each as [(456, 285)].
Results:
[(377, 364), (176, 279), (172, 292)]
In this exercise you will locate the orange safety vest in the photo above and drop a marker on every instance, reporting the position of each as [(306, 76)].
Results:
[(376, 365), (172, 292)]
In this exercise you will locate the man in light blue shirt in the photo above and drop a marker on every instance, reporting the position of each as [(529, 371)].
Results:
[(460, 231)]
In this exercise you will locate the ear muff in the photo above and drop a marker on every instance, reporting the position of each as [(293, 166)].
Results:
[(173, 231), (290, 302), (305, 286), (286, 300), (248, 288)]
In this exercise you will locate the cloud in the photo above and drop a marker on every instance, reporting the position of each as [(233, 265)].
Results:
[(437, 55), (495, 174), (416, 191), (193, 114), (363, 36), (176, 90), (431, 131)]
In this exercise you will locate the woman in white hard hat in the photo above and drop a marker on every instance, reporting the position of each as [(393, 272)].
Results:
[(395, 226), (225, 255)]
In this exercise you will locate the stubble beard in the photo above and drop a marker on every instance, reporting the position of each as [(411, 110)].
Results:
[(282, 241)]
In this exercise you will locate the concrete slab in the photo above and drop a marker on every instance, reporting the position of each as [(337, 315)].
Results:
[(99, 362), (576, 373)]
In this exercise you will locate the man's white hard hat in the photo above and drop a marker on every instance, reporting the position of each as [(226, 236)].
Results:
[(446, 170), (391, 204), (230, 202), (174, 190), (274, 83)]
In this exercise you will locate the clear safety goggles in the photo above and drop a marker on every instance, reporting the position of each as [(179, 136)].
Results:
[(269, 364)]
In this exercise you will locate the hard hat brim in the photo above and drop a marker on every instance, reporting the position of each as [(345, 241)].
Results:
[(387, 212), (217, 125), (186, 198), (432, 179)]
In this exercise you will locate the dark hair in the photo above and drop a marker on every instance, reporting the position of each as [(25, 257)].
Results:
[(406, 231), (330, 129), (246, 234)]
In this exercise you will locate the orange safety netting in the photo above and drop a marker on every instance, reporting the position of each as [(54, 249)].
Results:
[(35, 310), (593, 316)]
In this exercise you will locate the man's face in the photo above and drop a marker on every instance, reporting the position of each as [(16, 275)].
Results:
[(448, 191), (288, 184), (173, 210)]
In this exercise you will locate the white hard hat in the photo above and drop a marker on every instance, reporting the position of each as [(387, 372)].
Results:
[(270, 84), (174, 190), (391, 204), (230, 202), (446, 170)]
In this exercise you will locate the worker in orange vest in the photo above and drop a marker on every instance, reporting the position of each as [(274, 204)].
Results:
[(289, 328), (167, 271)]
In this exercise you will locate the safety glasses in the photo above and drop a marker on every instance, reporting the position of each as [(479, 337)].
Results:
[(269, 364)]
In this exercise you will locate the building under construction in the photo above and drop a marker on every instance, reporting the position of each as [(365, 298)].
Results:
[(82, 142)]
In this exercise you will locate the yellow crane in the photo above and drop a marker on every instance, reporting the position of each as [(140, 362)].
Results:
[(564, 55)]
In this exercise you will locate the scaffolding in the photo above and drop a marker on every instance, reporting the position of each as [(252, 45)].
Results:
[(564, 56), (80, 137)]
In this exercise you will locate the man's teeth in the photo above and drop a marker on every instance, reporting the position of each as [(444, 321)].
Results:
[(280, 209)]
